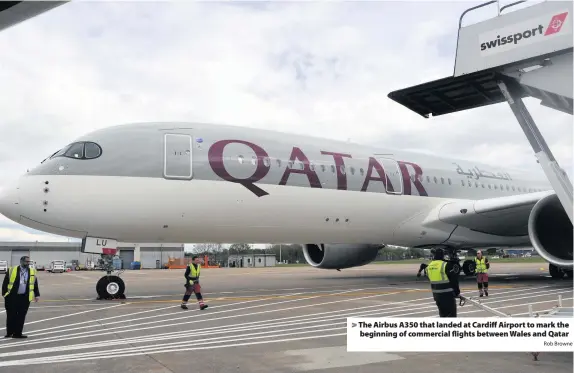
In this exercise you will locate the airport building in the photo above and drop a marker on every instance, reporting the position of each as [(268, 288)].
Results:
[(42, 253), (252, 260)]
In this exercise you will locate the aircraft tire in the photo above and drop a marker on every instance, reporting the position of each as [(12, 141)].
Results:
[(469, 267), (110, 287), (555, 272)]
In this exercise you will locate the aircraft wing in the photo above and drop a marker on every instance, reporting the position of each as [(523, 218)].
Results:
[(504, 216), (14, 12)]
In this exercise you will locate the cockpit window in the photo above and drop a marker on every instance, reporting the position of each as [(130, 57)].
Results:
[(80, 150), (92, 150), (76, 151)]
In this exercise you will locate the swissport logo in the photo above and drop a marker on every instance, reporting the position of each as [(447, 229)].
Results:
[(538, 32)]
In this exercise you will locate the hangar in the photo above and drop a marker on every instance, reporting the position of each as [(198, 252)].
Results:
[(42, 253)]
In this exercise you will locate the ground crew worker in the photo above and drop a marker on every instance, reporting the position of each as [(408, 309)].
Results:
[(192, 284), (17, 298), (482, 266), (443, 276)]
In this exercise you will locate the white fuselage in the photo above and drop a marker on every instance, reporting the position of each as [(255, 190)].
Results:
[(155, 209)]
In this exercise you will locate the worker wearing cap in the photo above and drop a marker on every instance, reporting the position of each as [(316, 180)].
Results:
[(192, 284), (482, 267), (443, 276), (19, 288)]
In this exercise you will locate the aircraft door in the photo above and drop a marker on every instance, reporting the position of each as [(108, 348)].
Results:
[(177, 157), (394, 178)]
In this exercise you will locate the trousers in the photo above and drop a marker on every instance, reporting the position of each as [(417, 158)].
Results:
[(446, 304), (16, 310)]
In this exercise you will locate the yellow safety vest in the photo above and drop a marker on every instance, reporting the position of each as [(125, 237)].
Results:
[(480, 265), (436, 272), (12, 274), (194, 272)]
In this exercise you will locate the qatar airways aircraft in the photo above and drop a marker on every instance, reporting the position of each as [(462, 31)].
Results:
[(192, 182)]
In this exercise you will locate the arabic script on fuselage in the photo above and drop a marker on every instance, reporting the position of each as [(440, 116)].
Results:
[(477, 173)]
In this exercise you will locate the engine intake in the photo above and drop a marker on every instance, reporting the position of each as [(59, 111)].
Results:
[(339, 256), (550, 231)]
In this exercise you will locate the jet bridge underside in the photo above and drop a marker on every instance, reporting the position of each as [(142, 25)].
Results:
[(525, 53)]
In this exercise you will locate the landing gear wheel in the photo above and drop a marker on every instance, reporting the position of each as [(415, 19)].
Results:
[(555, 272), (111, 287), (469, 267)]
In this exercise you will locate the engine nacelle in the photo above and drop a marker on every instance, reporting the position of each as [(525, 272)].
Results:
[(339, 256), (550, 231)]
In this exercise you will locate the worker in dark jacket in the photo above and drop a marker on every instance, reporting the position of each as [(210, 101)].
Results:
[(19, 289), (443, 276), (192, 284)]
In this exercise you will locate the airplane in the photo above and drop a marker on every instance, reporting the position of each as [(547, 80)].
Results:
[(197, 182)]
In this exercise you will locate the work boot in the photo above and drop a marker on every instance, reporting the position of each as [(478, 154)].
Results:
[(184, 306), (481, 295), (203, 306), (486, 293), (19, 336), (8, 336)]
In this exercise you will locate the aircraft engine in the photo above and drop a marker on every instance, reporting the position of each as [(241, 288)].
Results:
[(550, 231), (339, 256)]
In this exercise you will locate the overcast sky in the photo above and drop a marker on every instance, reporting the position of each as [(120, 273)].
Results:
[(323, 69)]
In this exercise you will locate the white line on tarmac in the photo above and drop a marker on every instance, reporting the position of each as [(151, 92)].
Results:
[(41, 360), (72, 314), (337, 291), (88, 335), (171, 347), (302, 319)]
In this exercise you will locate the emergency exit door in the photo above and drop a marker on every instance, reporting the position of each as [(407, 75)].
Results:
[(178, 157), (394, 178)]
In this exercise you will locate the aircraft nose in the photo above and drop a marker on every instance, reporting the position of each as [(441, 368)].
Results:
[(9, 202)]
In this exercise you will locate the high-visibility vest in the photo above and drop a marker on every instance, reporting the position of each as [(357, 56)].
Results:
[(480, 265), (194, 272), (12, 274), (436, 272)]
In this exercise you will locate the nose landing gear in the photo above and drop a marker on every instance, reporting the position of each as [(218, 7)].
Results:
[(110, 286)]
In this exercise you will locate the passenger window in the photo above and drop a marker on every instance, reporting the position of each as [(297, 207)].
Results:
[(352, 170), (76, 151), (469, 184), (435, 180), (495, 187), (290, 164), (254, 160), (507, 187), (323, 168), (278, 163), (462, 182), (428, 179), (333, 169), (476, 184), (513, 189), (266, 161), (449, 182), (362, 171), (482, 186), (343, 170), (489, 186), (442, 180), (312, 166)]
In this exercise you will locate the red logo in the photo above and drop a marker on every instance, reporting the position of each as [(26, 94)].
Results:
[(556, 23)]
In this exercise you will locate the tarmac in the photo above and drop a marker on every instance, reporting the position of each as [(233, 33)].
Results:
[(289, 319)]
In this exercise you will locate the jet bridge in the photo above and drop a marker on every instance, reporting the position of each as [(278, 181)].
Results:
[(524, 53)]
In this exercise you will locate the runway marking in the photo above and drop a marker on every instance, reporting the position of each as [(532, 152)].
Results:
[(271, 323), (42, 361), (163, 308), (170, 347), (91, 334), (72, 314), (83, 334)]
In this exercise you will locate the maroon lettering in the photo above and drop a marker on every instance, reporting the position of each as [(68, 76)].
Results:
[(339, 164), (297, 154), (407, 179), (215, 157), (374, 165)]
